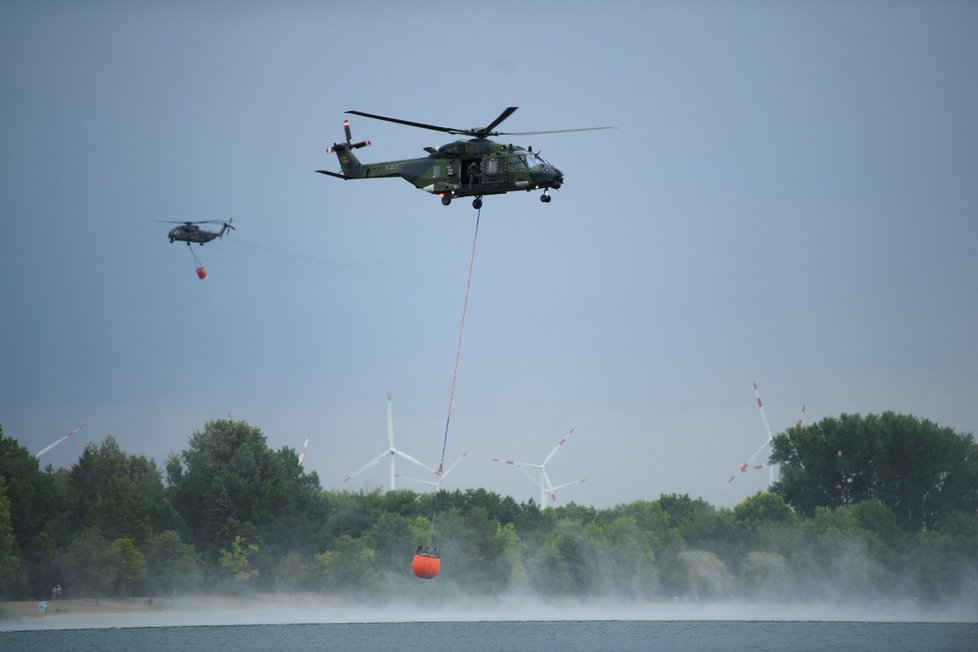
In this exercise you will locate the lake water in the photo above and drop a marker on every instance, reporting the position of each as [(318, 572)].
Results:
[(538, 636)]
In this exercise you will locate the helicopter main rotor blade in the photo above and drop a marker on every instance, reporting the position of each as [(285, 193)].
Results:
[(487, 131), (421, 125), (478, 133), (550, 131), (190, 221)]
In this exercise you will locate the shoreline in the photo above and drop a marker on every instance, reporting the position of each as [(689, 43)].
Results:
[(144, 612), (316, 608)]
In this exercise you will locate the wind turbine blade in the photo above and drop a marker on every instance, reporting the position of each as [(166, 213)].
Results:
[(366, 466), (801, 417), (439, 477), (538, 482), (557, 447), (525, 465), (750, 459), (553, 491), (50, 446), (302, 453), (568, 484), (412, 459), (445, 473), (407, 477), (390, 423), (760, 406)]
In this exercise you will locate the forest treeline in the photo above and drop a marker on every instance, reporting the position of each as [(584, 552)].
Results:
[(880, 508)]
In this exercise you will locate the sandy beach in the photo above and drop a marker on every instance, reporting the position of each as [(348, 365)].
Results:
[(185, 610)]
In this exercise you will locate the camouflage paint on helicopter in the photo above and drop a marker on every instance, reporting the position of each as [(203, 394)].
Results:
[(464, 168)]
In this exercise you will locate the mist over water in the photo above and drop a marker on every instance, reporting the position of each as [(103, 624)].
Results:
[(512, 624), (316, 609)]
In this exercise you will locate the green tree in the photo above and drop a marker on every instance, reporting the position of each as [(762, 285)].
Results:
[(841, 559), (565, 565), (626, 560), (236, 563), (128, 566), (228, 484), (351, 567), (9, 561), (918, 470), (89, 565), (483, 553), (292, 573), (924, 471), (763, 509), (766, 575), (119, 493), (705, 575), (393, 540), (36, 510), (171, 565), (936, 572), (297, 511)]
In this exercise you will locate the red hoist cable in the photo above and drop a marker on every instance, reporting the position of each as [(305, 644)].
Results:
[(427, 563), (461, 331), (201, 270)]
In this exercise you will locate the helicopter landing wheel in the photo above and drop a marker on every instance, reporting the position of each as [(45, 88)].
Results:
[(477, 203), (446, 199), (545, 198)]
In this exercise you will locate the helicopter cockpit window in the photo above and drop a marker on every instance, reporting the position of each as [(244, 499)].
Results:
[(532, 160), (519, 162)]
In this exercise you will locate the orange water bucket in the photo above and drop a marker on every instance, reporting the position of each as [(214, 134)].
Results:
[(426, 566)]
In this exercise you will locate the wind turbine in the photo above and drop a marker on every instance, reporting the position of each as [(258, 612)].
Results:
[(391, 453), (50, 446), (543, 481), (749, 464), (439, 477), (302, 453)]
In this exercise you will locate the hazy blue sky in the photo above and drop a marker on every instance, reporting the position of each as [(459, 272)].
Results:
[(790, 198)]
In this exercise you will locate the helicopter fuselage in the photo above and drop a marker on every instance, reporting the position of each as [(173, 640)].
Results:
[(464, 168), (501, 169), (191, 233)]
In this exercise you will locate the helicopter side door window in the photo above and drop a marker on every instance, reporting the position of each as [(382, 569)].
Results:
[(494, 169)]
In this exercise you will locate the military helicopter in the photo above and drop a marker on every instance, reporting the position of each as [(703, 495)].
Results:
[(464, 168), (191, 232)]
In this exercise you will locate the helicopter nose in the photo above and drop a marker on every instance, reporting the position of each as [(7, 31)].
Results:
[(550, 176), (558, 178)]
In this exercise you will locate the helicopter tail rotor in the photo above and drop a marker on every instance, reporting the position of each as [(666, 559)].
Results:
[(348, 145), (352, 168)]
